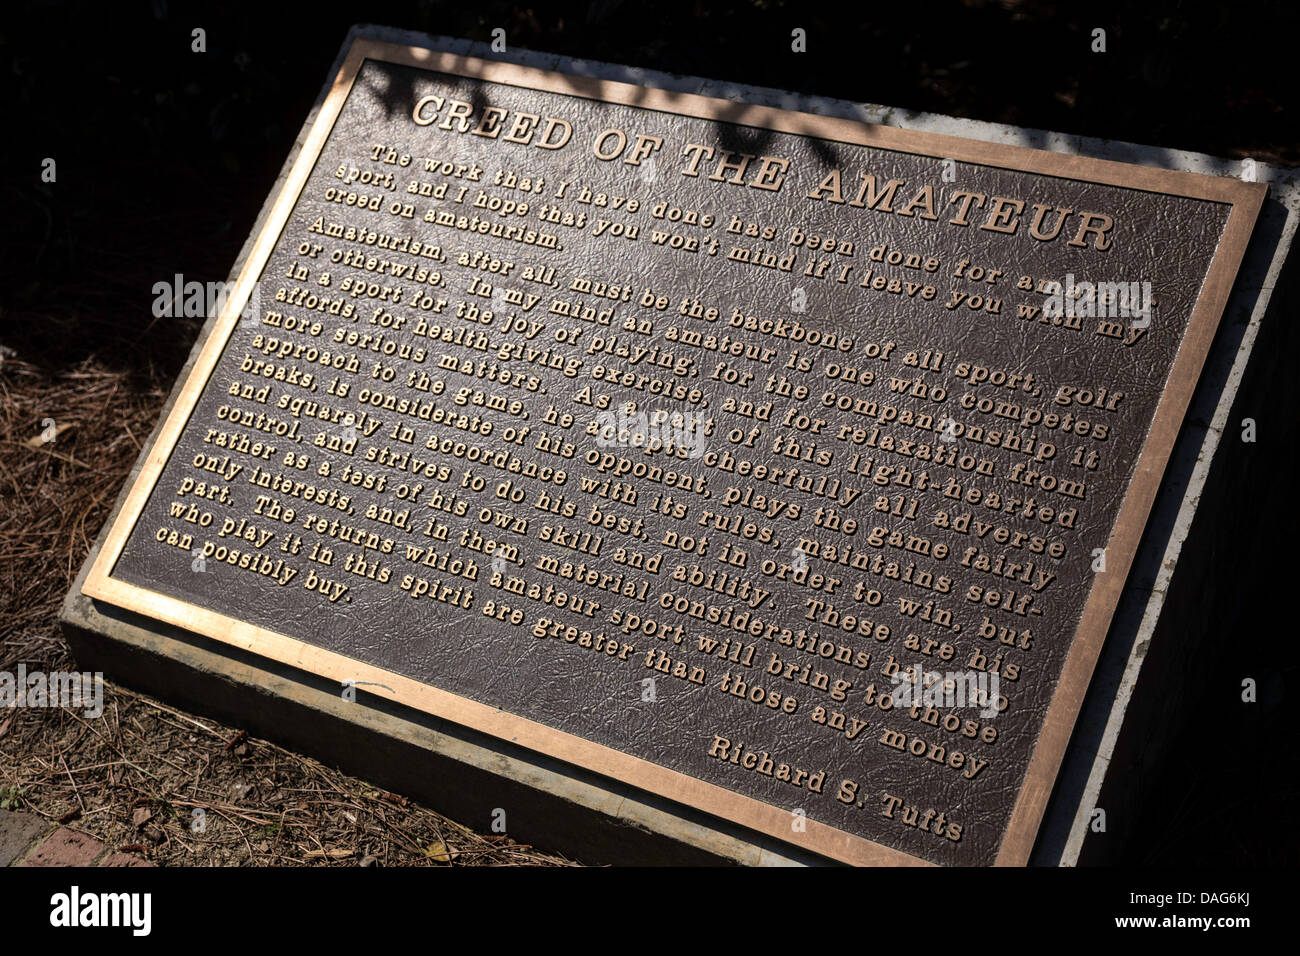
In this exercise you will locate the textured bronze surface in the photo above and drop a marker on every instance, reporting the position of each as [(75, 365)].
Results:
[(813, 360)]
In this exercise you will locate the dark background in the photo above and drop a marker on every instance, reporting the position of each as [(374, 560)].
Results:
[(165, 157)]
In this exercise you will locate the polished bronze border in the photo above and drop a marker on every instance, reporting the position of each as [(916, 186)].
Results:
[(1031, 801)]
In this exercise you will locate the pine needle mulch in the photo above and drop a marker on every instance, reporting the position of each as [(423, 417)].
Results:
[(177, 788)]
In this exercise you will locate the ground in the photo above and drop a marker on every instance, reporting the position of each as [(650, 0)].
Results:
[(146, 778)]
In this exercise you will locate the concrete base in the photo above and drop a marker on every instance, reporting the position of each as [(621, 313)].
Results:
[(597, 820), (443, 765)]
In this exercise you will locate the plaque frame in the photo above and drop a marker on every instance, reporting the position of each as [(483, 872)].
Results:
[(1030, 803)]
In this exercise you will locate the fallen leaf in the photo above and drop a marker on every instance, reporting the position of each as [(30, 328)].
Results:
[(338, 854), (439, 852), (38, 441)]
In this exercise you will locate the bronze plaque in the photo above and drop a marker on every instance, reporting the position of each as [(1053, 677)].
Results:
[(787, 467)]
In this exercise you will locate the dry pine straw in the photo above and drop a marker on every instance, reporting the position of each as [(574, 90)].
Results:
[(178, 788)]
